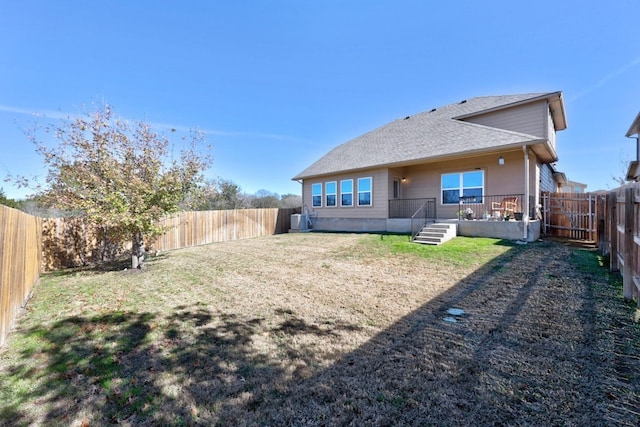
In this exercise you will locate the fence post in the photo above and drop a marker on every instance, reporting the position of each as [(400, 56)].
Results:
[(612, 207), (591, 222), (543, 211), (629, 232)]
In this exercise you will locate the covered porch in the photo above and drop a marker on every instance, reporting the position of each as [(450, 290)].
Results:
[(497, 216)]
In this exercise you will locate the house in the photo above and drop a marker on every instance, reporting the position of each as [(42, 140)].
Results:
[(466, 156), (573, 187), (633, 173)]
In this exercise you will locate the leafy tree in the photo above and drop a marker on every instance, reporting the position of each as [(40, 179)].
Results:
[(230, 195), (123, 177), (220, 194), (6, 201)]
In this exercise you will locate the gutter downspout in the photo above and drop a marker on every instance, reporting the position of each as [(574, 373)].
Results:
[(303, 208), (525, 214)]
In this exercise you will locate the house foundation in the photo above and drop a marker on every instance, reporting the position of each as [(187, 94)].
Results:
[(509, 230), (354, 225)]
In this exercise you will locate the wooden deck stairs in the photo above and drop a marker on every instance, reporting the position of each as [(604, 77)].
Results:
[(436, 233)]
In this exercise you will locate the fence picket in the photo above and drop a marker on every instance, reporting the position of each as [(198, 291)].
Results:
[(621, 237), (571, 215), (20, 261)]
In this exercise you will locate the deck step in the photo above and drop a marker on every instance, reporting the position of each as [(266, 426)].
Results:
[(436, 234)]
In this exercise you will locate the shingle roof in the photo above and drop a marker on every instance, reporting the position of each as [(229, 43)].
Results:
[(430, 134)]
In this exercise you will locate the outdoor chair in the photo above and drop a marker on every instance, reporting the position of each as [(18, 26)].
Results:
[(507, 206)]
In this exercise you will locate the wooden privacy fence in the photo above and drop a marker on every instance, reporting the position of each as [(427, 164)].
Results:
[(29, 245), (71, 242), (204, 227), (20, 260), (572, 215), (621, 237)]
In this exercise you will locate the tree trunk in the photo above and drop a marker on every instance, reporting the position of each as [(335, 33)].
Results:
[(137, 251)]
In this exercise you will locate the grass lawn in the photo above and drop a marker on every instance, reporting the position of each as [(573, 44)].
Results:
[(329, 329)]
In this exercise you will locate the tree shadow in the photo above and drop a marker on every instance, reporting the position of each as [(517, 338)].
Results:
[(508, 360), (183, 368), (84, 363)]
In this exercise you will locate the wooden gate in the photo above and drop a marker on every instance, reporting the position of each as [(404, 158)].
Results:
[(572, 215)]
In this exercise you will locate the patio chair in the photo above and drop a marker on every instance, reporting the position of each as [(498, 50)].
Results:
[(507, 206)]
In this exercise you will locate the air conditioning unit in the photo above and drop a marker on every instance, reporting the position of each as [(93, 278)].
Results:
[(299, 222)]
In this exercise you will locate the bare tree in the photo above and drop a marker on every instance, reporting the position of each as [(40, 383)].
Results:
[(290, 201), (265, 199)]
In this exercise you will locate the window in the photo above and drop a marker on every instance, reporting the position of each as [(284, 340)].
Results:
[(463, 184), (364, 191), (330, 189), (346, 192), (316, 195)]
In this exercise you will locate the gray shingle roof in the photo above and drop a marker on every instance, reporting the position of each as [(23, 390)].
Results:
[(431, 134)]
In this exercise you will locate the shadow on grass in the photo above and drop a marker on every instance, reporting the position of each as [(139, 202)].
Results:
[(139, 368), (118, 265), (527, 351)]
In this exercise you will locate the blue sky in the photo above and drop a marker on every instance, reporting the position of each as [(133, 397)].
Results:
[(276, 84)]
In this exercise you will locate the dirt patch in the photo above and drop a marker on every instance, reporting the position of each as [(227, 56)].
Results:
[(322, 329)]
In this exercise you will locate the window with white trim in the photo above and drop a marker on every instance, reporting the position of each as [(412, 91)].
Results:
[(316, 195), (331, 193), (346, 192), (462, 184), (364, 191)]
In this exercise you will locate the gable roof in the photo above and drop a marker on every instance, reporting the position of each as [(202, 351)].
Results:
[(635, 127), (433, 134)]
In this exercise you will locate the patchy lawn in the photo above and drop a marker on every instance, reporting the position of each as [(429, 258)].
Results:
[(329, 329)]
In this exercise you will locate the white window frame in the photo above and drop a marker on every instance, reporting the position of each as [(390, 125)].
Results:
[(370, 191), (314, 195), (461, 186), (343, 193), (328, 194)]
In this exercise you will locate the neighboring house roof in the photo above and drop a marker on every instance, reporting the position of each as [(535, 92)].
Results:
[(560, 178), (635, 127), (633, 173), (438, 133), (576, 184)]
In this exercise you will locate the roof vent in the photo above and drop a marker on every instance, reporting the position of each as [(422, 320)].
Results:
[(407, 118), (463, 101)]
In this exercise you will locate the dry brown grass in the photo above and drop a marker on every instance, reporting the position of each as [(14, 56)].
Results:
[(328, 329)]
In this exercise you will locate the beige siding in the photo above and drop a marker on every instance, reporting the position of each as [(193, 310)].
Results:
[(381, 190), (530, 119), (551, 130), (424, 180)]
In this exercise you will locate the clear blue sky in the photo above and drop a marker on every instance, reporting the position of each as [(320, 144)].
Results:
[(276, 84)]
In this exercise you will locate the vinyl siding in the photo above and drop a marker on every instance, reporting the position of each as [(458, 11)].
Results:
[(551, 130), (380, 196), (546, 179), (530, 119), (424, 180)]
